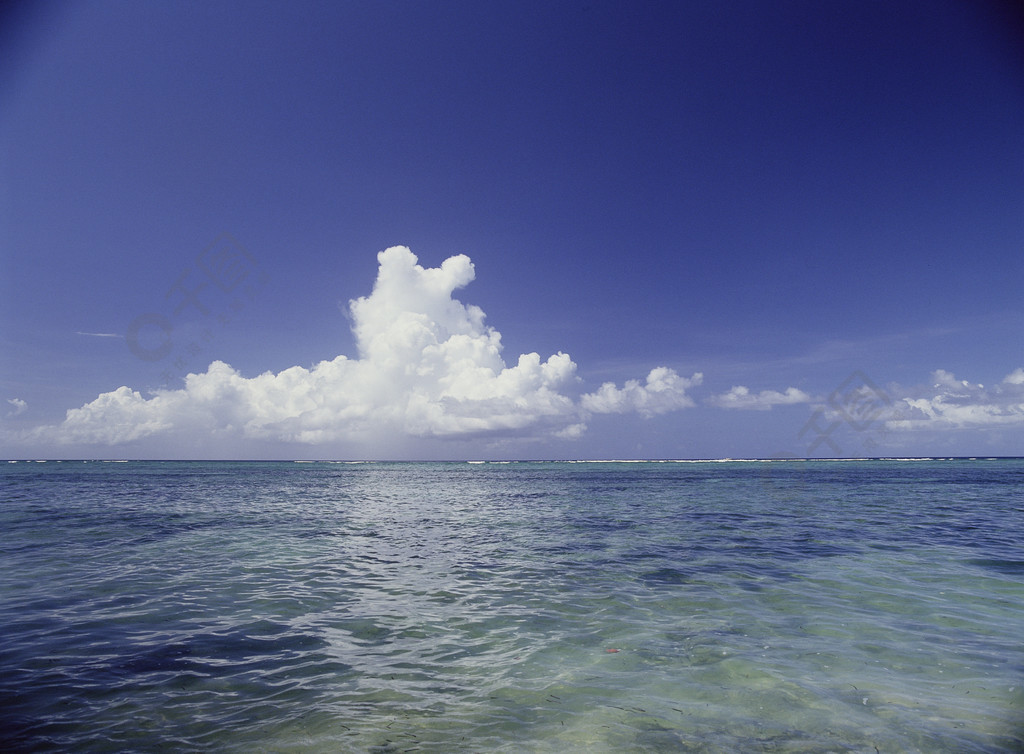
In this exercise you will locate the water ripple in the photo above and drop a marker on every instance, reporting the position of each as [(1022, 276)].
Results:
[(525, 607)]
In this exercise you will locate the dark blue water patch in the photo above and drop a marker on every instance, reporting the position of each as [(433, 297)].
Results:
[(52, 711), (93, 654), (173, 657), (804, 547), (600, 524), (628, 560), (210, 653), (326, 533), (670, 576), (887, 546), (1012, 567), (520, 496), (740, 571), (158, 528), (577, 547)]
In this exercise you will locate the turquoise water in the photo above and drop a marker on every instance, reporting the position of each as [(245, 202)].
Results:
[(527, 607)]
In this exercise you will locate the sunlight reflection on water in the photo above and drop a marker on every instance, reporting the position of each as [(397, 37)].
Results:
[(458, 607)]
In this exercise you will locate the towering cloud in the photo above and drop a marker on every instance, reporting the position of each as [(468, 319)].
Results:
[(427, 366)]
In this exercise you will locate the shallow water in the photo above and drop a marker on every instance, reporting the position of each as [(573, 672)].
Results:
[(783, 606)]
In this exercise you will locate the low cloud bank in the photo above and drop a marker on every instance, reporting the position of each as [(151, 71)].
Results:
[(950, 403), (944, 403), (741, 397), (427, 366)]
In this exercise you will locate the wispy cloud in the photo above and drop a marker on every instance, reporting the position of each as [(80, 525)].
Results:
[(427, 366), (740, 396), (99, 334), (20, 406)]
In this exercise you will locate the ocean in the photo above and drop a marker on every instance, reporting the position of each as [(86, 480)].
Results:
[(738, 606)]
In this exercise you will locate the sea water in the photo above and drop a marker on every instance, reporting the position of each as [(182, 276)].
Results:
[(784, 606)]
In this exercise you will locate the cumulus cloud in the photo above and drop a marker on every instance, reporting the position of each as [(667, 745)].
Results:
[(427, 366), (663, 391), (1016, 377), (741, 397), (949, 402), (20, 406)]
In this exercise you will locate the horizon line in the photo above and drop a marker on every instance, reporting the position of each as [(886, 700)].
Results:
[(474, 461)]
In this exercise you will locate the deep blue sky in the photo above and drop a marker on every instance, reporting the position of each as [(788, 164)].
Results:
[(774, 195)]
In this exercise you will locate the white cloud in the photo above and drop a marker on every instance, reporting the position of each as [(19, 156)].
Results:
[(952, 403), (427, 366), (20, 406), (741, 397), (664, 391), (119, 416), (947, 381), (1016, 377)]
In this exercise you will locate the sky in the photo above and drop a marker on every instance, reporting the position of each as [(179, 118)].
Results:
[(461, 230)]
